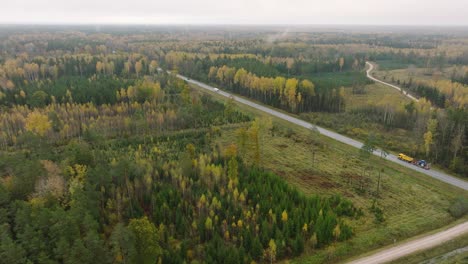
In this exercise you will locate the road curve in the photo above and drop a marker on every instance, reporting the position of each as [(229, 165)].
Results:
[(368, 72), (432, 173), (414, 246)]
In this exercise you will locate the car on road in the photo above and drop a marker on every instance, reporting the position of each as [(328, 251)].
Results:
[(216, 89)]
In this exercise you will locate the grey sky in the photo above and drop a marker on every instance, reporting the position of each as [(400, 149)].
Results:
[(377, 12)]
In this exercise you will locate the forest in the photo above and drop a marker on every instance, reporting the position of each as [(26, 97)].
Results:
[(107, 158)]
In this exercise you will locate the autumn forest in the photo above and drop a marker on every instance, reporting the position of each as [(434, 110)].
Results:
[(106, 156)]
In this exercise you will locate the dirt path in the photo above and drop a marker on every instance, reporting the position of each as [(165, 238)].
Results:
[(414, 246), (371, 68)]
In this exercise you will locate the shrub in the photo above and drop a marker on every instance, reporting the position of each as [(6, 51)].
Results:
[(459, 208)]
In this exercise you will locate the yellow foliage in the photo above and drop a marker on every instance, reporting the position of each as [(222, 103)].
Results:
[(284, 216), (38, 123)]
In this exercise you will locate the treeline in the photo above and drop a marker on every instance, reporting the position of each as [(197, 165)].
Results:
[(198, 63), (430, 93), (446, 139), (439, 135), (16, 72), (140, 109), (289, 94), (439, 92), (74, 89), (460, 75), (271, 66)]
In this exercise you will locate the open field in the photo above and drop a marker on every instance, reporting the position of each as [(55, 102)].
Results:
[(412, 203), (375, 94), (394, 64), (417, 74), (337, 79), (358, 126)]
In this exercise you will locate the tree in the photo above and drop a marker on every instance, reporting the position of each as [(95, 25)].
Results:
[(153, 67), (53, 184), (10, 252), (147, 238), (208, 226), (39, 99), (428, 136), (138, 68), (341, 62), (99, 67), (369, 146), (254, 136), (290, 93), (240, 77), (270, 252), (122, 242), (307, 87), (257, 249), (284, 216), (38, 123)]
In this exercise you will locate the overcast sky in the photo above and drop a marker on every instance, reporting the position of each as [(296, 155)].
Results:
[(370, 12)]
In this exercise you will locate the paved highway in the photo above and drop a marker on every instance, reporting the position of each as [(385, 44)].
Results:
[(432, 173)]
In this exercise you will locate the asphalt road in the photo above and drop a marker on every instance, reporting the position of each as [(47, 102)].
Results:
[(432, 173), (413, 246)]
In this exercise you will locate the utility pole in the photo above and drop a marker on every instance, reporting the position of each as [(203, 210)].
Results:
[(313, 158), (378, 182)]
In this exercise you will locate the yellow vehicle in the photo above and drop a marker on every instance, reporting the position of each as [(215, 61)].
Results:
[(403, 157)]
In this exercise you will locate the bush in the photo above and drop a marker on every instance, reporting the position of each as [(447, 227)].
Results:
[(459, 208)]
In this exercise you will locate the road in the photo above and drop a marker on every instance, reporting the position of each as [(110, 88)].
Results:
[(413, 246), (387, 254), (371, 68), (349, 141)]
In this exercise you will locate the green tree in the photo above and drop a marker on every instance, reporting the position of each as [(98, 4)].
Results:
[(10, 252), (122, 242), (369, 146), (257, 249), (147, 241), (39, 99)]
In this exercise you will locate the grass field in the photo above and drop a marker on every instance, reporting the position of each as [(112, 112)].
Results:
[(357, 126), (412, 203), (337, 79), (375, 94), (393, 64), (417, 74)]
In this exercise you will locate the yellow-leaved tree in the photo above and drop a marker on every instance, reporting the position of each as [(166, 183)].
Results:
[(38, 123)]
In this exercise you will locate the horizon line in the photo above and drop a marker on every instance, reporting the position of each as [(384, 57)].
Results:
[(30, 23)]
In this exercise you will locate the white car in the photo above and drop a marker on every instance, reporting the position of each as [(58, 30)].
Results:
[(216, 89)]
